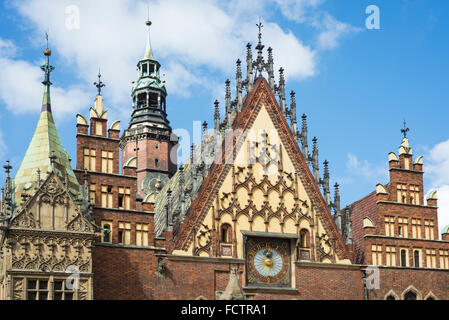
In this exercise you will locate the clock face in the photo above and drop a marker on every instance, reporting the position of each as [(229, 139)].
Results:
[(153, 181), (268, 262)]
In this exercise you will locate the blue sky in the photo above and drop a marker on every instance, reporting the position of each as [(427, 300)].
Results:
[(356, 85)]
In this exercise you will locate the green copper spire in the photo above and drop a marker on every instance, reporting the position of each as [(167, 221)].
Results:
[(45, 152), (47, 68), (149, 51)]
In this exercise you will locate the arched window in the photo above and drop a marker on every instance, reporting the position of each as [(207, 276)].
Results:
[(391, 297), (416, 258), (410, 295), (226, 235), (304, 238), (106, 233), (403, 258), (156, 163)]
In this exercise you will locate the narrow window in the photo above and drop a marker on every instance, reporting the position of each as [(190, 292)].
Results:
[(92, 193), (106, 232), (225, 233), (124, 233), (416, 258), (403, 258), (304, 238), (142, 234), (106, 196), (156, 163)]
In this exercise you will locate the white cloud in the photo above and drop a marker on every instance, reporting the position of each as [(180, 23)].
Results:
[(22, 88), (195, 34), (365, 169), (297, 10), (333, 31), (437, 170)]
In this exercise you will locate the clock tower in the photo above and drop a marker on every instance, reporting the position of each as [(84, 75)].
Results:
[(149, 139)]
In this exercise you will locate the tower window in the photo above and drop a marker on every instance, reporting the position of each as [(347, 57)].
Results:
[(106, 196), (416, 258), (431, 258), (402, 227), (376, 252), (156, 146), (156, 163), (107, 232), (124, 198), (144, 69), (106, 161), (124, 233), (390, 255), (141, 234), (92, 193), (429, 229), (403, 258), (89, 159), (402, 193)]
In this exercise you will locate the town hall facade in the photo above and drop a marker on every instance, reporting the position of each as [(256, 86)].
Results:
[(248, 216)]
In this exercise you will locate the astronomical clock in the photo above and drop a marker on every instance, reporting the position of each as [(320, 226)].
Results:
[(154, 181), (268, 262)]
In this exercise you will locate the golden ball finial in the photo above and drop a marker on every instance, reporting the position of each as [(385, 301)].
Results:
[(47, 52), (148, 23)]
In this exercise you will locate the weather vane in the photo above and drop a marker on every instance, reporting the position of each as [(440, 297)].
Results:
[(46, 38), (405, 130), (99, 84), (260, 26)]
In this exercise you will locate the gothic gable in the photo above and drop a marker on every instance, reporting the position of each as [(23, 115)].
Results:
[(52, 207), (263, 185)]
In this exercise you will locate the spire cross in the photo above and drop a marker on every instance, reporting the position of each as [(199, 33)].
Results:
[(99, 84), (405, 130)]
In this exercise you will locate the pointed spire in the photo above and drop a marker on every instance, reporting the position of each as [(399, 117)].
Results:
[(228, 102), (181, 194), (259, 47), (270, 68), (281, 90), (249, 68), (149, 50), (303, 137), (47, 68), (337, 197), (315, 165), (293, 115), (325, 183), (217, 116), (238, 89), (8, 187)]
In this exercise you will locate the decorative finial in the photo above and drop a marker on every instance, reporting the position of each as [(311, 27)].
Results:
[(260, 26), (405, 130), (47, 51), (99, 84), (47, 68)]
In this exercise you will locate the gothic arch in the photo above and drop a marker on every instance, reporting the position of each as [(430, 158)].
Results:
[(430, 296), (392, 294), (413, 290)]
